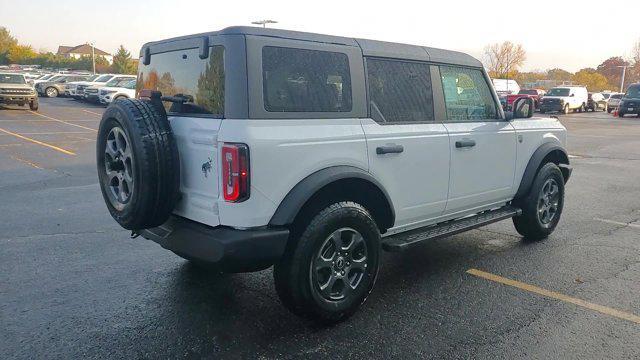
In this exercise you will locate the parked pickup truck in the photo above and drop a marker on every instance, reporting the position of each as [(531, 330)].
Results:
[(534, 94)]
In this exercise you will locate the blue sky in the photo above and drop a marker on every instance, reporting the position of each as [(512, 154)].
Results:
[(571, 34)]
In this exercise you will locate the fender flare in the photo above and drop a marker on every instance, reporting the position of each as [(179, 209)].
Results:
[(298, 196), (534, 164)]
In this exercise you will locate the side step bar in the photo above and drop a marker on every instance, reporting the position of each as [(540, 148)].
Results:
[(405, 240)]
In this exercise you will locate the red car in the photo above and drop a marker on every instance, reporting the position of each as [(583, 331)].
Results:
[(535, 94)]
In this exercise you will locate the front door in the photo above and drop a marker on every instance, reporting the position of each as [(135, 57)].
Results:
[(408, 150), (483, 147)]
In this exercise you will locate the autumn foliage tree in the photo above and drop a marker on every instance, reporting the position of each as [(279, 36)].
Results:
[(590, 78), (122, 62), (504, 60)]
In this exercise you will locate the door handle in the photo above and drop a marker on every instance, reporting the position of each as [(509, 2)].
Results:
[(389, 149), (465, 143)]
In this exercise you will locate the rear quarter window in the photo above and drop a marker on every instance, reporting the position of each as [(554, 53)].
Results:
[(183, 73), (301, 80)]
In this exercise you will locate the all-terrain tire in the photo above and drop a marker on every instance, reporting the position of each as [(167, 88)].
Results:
[(154, 167), (297, 283), (33, 105), (530, 223)]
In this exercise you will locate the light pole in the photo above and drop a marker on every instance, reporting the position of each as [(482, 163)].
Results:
[(264, 22), (93, 56), (624, 71)]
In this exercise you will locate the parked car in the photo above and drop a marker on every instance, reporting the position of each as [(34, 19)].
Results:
[(100, 80), (534, 94), (565, 99), (126, 90), (596, 101), (44, 78), (614, 102), (92, 93), (70, 89), (307, 151), (630, 103), (55, 86), (15, 90)]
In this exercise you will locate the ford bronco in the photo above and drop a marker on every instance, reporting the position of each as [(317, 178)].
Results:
[(251, 147), (15, 90)]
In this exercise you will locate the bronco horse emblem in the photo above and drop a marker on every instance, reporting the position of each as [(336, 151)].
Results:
[(206, 167)]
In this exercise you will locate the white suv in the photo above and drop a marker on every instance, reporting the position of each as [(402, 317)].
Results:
[(120, 90), (565, 99), (260, 147)]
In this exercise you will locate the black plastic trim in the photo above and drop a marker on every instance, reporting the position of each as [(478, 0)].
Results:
[(231, 249), (305, 189), (534, 164)]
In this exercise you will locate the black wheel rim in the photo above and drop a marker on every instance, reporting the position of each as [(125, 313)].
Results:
[(339, 266), (119, 168), (548, 202)]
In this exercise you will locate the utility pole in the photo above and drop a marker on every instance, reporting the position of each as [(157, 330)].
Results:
[(624, 71), (264, 22), (93, 57)]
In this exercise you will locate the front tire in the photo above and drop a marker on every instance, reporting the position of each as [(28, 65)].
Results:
[(542, 207), (33, 105), (51, 92), (332, 267)]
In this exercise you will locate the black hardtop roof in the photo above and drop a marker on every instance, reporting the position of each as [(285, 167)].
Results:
[(368, 47)]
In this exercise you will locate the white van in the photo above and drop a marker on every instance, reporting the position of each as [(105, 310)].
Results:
[(565, 98), (506, 86)]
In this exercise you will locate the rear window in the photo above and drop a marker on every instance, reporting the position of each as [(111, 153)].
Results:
[(182, 73), (300, 80), (633, 92)]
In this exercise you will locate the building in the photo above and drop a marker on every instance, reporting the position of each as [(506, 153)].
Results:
[(79, 51)]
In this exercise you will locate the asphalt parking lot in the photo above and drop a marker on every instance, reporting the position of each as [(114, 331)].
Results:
[(74, 285)]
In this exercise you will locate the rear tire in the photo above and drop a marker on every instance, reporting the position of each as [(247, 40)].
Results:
[(620, 114), (542, 207), (331, 268)]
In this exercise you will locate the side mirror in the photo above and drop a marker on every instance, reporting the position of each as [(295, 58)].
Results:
[(30, 82), (523, 108)]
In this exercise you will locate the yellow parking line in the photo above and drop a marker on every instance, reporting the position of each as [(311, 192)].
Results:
[(38, 142), (62, 121), (91, 112), (555, 295), (32, 164)]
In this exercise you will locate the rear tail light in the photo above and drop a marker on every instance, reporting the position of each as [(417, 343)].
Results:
[(235, 172)]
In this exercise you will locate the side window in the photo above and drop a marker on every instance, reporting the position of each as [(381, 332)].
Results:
[(300, 80), (399, 91), (182, 73), (467, 95)]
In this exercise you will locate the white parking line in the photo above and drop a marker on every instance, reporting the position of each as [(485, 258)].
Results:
[(91, 112), (635, 226)]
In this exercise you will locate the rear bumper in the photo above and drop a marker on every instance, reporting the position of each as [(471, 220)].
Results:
[(231, 249)]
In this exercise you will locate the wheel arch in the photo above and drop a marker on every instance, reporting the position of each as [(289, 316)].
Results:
[(547, 152), (334, 184)]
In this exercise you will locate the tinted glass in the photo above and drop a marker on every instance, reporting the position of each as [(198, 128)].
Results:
[(558, 92), (118, 81), (467, 94), (399, 91), (103, 78), (528, 92), (11, 79), (633, 92), (182, 73), (299, 80), (616, 96)]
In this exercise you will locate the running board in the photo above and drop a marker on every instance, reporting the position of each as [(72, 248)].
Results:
[(403, 241)]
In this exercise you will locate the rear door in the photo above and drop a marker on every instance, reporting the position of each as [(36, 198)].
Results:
[(483, 146), (195, 123), (408, 150)]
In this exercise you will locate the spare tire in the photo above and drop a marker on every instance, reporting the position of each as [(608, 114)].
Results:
[(138, 164)]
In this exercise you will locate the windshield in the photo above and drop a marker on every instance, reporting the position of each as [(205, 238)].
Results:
[(103, 78), (633, 92), (558, 92), (92, 78), (528, 92), (45, 77), (616, 96), (56, 78), (606, 96), (118, 82), (11, 79)]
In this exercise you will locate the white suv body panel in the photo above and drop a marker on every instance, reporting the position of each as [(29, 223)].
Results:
[(284, 152)]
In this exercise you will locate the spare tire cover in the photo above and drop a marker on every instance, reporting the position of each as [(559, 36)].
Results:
[(138, 164)]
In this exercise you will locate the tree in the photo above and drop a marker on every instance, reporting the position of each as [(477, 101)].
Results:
[(591, 79), (6, 43), (559, 75), (610, 68), (122, 62), (633, 74), (504, 60), (19, 54)]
